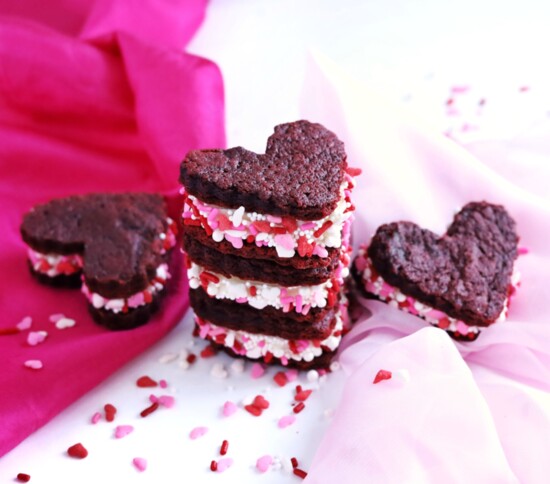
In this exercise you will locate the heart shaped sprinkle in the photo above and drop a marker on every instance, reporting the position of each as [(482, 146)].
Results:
[(110, 412), (64, 323), (77, 451), (382, 375), (36, 337), (25, 323), (260, 402), (140, 463), (34, 364), (286, 421), (257, 371), (123, 430), (197, 432), (229, 408), (264, 463), (146, 382)]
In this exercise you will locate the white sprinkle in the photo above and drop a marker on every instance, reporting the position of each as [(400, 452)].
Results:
[(184, 364), (312, 376), (238, 216), (401, 375), (237, 366), (64, 323), (218, 371), (334, 366), (168, 358), (34, 364)]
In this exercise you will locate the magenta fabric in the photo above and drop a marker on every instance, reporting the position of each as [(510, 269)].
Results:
[(93, 97), (453, 412)]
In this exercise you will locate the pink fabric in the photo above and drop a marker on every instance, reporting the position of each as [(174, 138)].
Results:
[(471, 412), (93, 97)]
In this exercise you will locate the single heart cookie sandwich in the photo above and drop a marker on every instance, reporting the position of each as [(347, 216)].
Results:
[(267, 244), (460, 282), (115, 246)]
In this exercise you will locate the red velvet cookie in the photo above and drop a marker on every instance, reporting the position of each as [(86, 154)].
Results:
[(460, 281), (118, 244), (267, 242)]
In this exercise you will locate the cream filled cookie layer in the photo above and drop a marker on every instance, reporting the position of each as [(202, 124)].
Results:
[(141, 298), (374, 284), (286, 234), (259, 294), (257, 346)]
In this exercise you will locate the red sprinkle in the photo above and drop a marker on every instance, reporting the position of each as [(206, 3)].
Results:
[(294, 462), (382, 375), (21, 477), (252, 409), (191, 358), (262, 226), (323, 228), (290, 224), (303, 395), (78, 451), (260, 402), (280, 378), (298, 408), (213, 466), (110, 412), (208, 352), (252, 290), (6, 331), (146, 382), (353, 171), (224, 447), (300, 473), (149, 410)]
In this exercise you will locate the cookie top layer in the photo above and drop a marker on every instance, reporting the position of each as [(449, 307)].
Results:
[(465, 273), (118, 235), (299, 175)]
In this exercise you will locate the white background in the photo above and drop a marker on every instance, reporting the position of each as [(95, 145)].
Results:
[(412, 52)]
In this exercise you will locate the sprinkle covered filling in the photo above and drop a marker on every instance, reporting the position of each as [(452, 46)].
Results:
[(375, 284), (122, 305), (257, 346), (286, 234), (53, 265)]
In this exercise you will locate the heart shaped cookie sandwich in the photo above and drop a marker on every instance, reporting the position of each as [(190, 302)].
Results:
[(267, 244), (460, 282), (115, 245)]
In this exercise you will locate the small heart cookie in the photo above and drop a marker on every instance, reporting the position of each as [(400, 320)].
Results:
[(117, 244), (459, 282)]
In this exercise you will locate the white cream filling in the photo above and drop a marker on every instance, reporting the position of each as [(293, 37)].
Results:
[(260, 294)]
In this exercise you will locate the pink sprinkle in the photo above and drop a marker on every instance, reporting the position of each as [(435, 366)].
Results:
[(140, 463), (286, 421), (242, 300), (229, 408), (524, 89), (274, 219), (462, 327), (163, 384), (224, 464), (291, 375), (284, 360), (54, 318), (257, 371), (123, 431), (24, 324), (263, 463), (96, 417), (308, 226), (284, 240), (167, 401), (320, 251), (34, 364), (36, 337), (523, 250), (299, 302), (236, 242), (460, 89), (198, 432)]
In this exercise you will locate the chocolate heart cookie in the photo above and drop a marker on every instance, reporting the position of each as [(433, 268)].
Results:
[(117, 244), (459, 282), (266, 238)]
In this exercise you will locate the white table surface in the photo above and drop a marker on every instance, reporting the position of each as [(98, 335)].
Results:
[(412, 52)]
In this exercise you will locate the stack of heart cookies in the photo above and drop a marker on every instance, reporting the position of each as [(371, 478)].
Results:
[(266, 238)]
